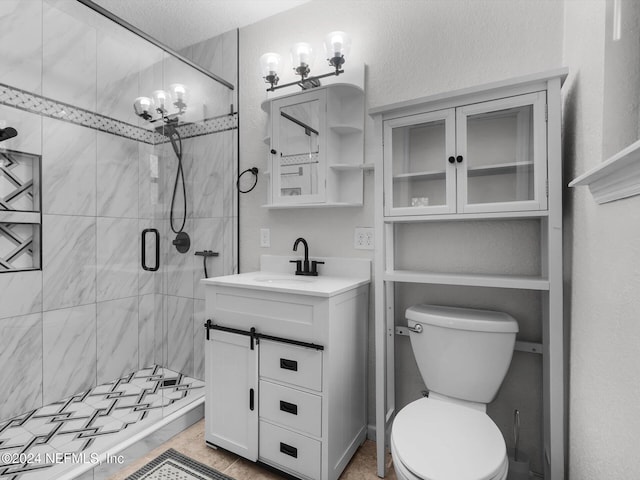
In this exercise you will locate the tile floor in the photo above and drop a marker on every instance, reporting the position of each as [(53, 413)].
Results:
[(191, 443), (89, 422)]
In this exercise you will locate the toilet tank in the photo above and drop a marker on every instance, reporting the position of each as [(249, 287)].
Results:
[(461, 352)]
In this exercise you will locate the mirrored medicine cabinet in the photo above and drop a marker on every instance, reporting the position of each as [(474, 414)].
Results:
[(315, 144)]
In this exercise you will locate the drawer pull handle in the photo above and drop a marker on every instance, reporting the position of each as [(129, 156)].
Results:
[(289, 364), (291, 408), (288, 450)]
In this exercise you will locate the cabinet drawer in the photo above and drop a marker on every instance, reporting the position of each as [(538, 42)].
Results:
[(291, 364), (292, 451), (291, 408)]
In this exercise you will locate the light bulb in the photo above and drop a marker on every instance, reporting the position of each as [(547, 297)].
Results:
[(301, 58), (161, 100), (270, 67), (143, 107), (337, 45), (179, 94)]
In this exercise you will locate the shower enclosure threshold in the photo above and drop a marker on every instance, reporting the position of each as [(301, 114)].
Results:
[(98, 429)]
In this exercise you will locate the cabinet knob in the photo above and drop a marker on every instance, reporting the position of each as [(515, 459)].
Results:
[(459, 159), (452, 159), (273, 151)]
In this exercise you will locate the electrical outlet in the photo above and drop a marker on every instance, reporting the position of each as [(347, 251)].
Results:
[(265, 237), (363, 238)]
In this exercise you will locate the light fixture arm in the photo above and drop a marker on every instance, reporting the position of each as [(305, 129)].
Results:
[(306, 82)]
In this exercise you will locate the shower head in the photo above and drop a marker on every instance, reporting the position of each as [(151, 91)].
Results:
[(7, 133)]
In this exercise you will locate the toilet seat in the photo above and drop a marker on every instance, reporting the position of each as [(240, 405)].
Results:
[(437, 440)]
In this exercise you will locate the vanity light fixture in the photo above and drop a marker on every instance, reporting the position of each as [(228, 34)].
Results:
[(160, 103), (336, 46)]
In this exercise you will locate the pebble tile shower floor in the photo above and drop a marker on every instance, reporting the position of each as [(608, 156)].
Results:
[(45, 443)]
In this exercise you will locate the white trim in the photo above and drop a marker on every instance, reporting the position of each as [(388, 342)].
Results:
[(541, 78), (616, 178)]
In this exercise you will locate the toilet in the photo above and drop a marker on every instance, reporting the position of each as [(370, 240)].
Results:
[(463, 355)]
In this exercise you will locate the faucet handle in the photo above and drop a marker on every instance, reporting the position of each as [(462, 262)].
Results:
[(298, 265), (314, 267)]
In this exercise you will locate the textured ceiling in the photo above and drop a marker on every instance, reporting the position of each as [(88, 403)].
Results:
[(179, 23)]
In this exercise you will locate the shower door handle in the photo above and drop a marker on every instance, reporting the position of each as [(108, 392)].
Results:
[(144, 250)]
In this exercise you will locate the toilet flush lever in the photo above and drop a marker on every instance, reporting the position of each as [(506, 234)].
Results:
[(416, 329)]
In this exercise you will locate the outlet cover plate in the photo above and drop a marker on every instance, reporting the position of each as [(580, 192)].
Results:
[(363, 238), (265, 237)]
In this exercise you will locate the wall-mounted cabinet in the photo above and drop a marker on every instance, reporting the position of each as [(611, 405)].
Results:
[(315, 144), (482, 155)]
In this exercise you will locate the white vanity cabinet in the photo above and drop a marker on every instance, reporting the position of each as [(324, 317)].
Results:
[(286, 370)]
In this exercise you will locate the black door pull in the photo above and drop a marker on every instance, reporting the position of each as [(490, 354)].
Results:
[(288, 450), (287, 364), (251, 399), (144, 249), (287, 407)]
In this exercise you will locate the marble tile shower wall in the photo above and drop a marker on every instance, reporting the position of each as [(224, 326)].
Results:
[(91, 313)]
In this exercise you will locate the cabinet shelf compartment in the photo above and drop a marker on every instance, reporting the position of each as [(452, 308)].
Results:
[(468, 216), (432, 175), (499, 169), (523, 282), (344, 129)]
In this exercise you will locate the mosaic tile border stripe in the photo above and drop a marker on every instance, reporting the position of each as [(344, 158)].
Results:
[(34, 103)]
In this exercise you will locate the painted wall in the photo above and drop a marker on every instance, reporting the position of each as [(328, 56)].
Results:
[(604, 407), (411, 49), (91, 314)]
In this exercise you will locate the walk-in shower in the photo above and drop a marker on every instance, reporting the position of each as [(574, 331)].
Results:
[(93, 346)]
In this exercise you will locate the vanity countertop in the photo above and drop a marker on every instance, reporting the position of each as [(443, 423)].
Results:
[(338, 275)]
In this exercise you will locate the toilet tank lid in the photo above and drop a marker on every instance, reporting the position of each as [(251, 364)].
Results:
[(463, 318)]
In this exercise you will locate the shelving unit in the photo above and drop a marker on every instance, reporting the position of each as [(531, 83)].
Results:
[(338, 180), (530, 107)]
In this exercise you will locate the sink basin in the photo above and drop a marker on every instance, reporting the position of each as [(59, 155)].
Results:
[(284, 279)]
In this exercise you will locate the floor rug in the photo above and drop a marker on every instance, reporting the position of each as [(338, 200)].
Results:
[(172, 465)]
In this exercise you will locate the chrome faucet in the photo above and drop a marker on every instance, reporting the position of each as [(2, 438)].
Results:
[(303, 268)]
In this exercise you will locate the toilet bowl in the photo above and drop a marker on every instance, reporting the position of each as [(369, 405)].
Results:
[(463, 355), (440, 440)]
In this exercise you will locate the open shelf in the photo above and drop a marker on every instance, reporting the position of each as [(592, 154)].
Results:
[(343, 129), (13, 216), (434, 174), (498, 169), (346, 166), (521, 282), (617, 177), (467, 216), (277, 206)]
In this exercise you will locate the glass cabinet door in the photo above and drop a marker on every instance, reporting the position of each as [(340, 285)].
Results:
[(298, 149), (419, 177), (501, 155)]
